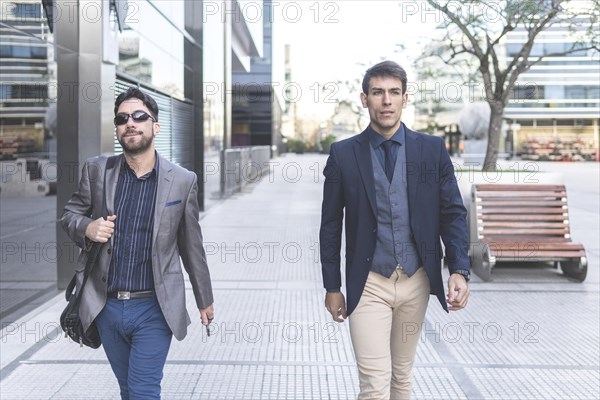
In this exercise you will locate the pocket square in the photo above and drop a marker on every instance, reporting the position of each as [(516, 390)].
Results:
[(172, 203)]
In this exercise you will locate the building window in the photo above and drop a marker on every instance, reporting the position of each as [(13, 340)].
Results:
[(25, 10), (527, 92), (582, 92)]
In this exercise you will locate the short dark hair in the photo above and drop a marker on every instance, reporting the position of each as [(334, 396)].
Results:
[(385, 68), (135, 93)]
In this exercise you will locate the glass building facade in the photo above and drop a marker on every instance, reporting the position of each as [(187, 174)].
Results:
[(28, 82), (555, 106), (63, 64), (257, 104)]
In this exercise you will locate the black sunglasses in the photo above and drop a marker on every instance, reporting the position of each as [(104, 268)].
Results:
[(137, 116)]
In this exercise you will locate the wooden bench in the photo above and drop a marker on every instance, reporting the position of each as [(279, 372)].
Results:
[(522, 223)]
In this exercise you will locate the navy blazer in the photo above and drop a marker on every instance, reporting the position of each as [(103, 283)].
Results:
[(435, 207)]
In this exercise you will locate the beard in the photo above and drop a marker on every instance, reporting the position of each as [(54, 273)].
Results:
[(137, 147)]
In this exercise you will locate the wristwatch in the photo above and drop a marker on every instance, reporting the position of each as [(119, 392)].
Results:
[(465, 273)]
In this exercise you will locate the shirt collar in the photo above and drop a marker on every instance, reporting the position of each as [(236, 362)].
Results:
[(376, 139), (154, 171)]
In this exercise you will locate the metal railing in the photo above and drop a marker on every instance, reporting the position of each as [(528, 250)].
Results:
[(242, 166)]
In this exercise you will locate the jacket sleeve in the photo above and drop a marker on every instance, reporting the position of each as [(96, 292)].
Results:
[(191, 249), (453, 217), (77, 212), (332, 214)]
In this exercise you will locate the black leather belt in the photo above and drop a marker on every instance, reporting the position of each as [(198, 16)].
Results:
[(122, 295)]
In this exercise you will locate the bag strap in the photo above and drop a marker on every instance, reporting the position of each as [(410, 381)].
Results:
[(110, 163), (71, 287), (94, 251)]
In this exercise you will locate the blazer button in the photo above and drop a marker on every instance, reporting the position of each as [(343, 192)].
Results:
[(109, 250), (104, 279), (374, 230), (368, 259)]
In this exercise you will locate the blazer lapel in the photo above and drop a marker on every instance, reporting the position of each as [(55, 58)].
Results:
[(413, 159), (362, 151), (165, 182)]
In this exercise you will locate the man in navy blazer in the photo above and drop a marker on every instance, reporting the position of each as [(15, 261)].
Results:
[(397, 192)]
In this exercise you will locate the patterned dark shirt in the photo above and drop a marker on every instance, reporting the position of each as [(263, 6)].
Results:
[(135, 198)]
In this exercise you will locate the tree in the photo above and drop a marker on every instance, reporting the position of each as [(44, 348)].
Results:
[(479, 31)]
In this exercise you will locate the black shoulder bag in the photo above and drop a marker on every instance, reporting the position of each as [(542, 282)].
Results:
[(69, 319)]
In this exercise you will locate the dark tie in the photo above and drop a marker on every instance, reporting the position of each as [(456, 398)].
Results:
[(389, 162)]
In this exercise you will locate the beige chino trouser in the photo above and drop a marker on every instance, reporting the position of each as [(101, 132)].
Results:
[(385, 330)]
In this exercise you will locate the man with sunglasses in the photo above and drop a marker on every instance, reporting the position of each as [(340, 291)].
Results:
[(136, 293)]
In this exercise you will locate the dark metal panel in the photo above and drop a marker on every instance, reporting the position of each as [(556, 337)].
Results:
[(182, 136)]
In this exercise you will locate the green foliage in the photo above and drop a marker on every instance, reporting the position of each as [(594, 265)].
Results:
[(326, 143), (296, 146), (432, 127)]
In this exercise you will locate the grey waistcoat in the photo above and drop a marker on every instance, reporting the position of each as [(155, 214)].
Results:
[(395, 243)]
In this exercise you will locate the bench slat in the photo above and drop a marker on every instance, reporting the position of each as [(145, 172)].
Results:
[(522, 224), (524, 238), (538, 256), (511, 232), (510, 217), (518, 188), (531, 245), (522, 210), (518, 195), (519, 202)]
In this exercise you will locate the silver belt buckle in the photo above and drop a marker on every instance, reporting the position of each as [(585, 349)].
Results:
[(123, 295)]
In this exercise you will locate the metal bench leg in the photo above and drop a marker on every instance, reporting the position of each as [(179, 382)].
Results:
[(482, 262), (576, 269)]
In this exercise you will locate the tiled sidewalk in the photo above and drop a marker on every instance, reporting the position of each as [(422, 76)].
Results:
[(528, 335)]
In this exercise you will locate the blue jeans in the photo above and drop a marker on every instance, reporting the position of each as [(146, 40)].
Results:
[(136, 339)]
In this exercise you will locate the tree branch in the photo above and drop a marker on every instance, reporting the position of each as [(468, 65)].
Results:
[(456, 21), (532, 34), (496, 64)]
